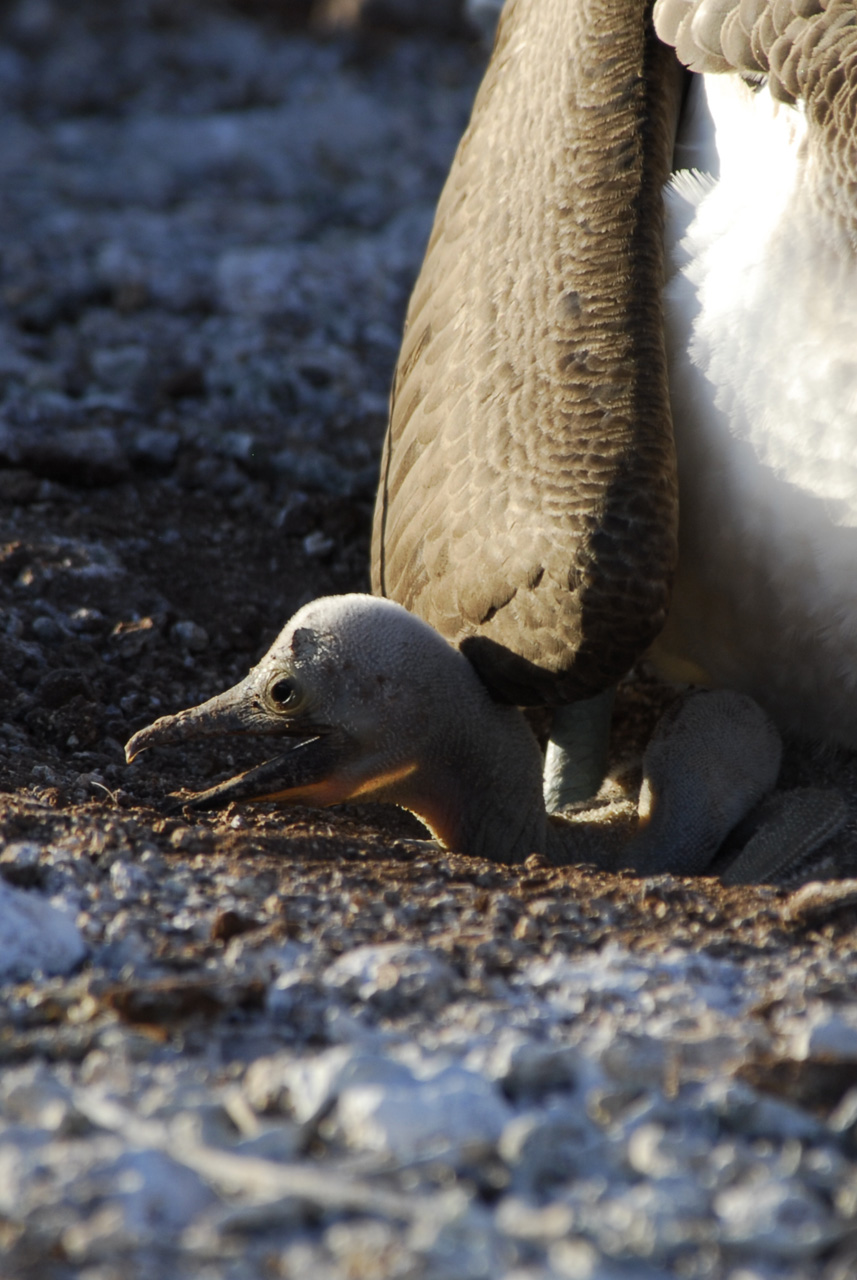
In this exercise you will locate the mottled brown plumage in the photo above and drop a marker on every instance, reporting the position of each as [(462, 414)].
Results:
[(527, 505)]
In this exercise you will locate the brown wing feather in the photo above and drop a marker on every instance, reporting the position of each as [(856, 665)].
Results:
[(527, 506)]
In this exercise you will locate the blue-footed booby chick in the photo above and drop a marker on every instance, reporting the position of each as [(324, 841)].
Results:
[(370, 703)]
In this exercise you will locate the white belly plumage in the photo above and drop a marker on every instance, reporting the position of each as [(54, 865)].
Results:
[(761, 311)]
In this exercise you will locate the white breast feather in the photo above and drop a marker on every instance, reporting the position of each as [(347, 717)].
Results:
[(762, 338)]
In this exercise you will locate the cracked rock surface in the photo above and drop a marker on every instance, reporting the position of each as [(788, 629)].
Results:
[(291, 1044)]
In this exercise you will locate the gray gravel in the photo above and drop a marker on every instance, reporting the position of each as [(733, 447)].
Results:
[(582, 1116)]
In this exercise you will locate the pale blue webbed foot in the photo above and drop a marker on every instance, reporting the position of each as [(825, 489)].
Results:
[(713, 760), (576, 757)]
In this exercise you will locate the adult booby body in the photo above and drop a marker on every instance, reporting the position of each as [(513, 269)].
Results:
[(527, 507), (528, 499), (761, 314)]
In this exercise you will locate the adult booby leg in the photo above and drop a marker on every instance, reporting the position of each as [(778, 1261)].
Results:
[(576, 757)]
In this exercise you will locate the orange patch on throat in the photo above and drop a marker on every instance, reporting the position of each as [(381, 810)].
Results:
[(337, 790), (381, 781), (316, 794)]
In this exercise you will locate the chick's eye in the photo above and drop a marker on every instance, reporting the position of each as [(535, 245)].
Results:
[(283, 692)]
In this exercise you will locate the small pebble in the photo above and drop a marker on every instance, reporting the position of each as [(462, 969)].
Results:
[(47, 630), (453, 1111), (190, 635), (35, 937)]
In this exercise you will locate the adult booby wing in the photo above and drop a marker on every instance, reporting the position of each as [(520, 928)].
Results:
[(528, 502)]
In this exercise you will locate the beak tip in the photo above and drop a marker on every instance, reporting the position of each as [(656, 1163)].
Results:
[(160, 732), (134, 746)]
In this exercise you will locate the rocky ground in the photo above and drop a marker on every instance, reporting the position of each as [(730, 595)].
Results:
[(271, 1044)]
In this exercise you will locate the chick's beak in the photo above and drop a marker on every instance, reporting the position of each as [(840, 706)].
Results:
[(305, 773), (238, 710)]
